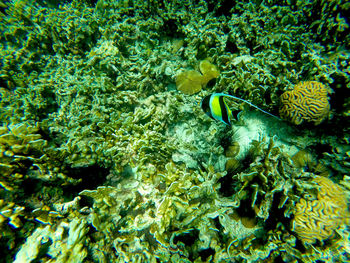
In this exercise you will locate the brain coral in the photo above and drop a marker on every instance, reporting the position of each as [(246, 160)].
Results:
[(308, 101), (318, 219)]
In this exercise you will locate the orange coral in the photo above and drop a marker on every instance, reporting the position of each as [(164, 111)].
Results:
[(318, 219), (308, 101), (191, 81)]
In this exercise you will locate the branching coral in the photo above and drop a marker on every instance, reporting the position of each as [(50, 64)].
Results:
[(308, 101), (319, 219)]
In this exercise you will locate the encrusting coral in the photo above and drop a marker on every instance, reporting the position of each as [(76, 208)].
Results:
[(308, 101), (319, 219)]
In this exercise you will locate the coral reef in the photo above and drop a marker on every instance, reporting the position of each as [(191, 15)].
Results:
[(308, 101), (102, 159), (22, 146), (10, 215)]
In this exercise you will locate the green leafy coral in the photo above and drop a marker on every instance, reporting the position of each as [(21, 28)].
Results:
[(32, 34)]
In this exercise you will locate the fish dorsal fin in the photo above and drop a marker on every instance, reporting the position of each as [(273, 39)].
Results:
[(245, 101)]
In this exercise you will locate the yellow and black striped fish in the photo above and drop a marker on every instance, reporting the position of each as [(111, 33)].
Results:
[(215, 107)]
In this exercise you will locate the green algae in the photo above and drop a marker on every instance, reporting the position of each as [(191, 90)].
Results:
[(122, 167)]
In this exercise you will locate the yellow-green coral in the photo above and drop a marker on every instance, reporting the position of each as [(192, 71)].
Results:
[(9, 213), (318, 219), (98, 81), (308, 101), (191, 81), (21, 145), (16, 143), (69, 237), (208, 70)]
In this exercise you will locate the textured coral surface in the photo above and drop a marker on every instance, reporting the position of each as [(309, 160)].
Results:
[(319, 219), (106, 155), (308, 101)]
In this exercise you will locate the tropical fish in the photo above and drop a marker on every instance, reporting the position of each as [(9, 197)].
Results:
[(215, 107)]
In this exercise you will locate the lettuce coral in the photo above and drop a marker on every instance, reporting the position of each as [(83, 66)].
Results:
[(308, 101)]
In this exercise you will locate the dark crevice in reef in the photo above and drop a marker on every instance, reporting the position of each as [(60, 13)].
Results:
[(340, 94), (86, 201), (245, 209), (319, 149), (231, 45), (188, 239), (171, 28), (205, 253), (299, 246), (92, 177), (246, 162), (223, 9), (277, 214), (227, 188), (338, 101)]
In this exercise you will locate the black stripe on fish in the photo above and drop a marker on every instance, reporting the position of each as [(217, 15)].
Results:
[(224, 112), (206, 107)]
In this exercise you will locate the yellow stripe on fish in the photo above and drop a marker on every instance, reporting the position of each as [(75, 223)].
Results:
[(215, 107)]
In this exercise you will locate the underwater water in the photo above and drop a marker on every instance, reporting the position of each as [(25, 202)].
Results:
[(118, 145)]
